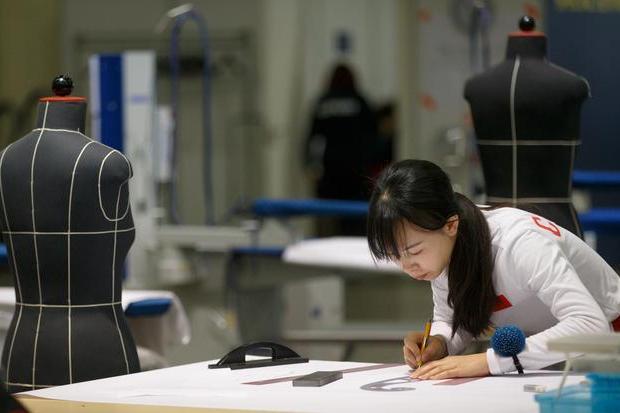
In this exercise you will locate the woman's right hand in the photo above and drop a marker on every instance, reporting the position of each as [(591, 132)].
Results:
[(435, 349)]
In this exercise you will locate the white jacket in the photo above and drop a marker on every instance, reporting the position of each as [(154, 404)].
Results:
[(549, 283)]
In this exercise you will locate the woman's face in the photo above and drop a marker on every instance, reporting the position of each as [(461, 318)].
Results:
[(424, 253)]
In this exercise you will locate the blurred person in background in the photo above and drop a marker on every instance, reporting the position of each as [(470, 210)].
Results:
[(337, 151)]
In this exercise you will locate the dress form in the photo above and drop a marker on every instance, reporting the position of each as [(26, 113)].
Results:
[(66, 220), (526, 114)]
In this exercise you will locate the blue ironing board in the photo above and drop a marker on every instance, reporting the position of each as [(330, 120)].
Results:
[(281, 208), (596, 179)]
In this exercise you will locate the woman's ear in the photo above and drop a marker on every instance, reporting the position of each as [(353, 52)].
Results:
[(451, 227)]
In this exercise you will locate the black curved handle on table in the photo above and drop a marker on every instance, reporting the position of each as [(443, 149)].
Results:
[(280, 354)]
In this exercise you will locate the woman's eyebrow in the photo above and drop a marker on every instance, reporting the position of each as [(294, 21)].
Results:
[(413, 244)]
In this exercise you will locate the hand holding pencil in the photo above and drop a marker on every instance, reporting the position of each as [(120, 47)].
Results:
[(427, 333), (420, 347)]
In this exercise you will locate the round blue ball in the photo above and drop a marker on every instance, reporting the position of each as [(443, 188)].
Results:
[(508, 341)]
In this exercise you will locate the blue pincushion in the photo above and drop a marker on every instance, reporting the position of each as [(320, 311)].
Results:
[(508, 341)]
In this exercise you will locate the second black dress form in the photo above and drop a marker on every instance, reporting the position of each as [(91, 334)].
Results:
[(526, 114), (65, 217)]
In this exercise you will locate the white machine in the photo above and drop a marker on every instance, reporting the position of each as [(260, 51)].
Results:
[(125, 115)]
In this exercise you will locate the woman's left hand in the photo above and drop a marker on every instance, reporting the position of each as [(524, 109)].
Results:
[(472, 365)]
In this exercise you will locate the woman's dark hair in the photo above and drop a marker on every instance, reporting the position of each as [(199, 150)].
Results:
[(342, 79), (419, 192)]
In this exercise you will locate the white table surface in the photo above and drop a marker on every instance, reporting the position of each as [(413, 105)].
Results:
[(194, 385)]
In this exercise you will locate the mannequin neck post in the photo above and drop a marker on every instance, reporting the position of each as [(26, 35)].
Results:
[(526, 46), (69, 114)]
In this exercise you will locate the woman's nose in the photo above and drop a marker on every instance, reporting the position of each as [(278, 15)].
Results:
[(408, 264)]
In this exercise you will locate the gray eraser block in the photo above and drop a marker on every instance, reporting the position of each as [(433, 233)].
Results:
[(317, 379), (534, 388)]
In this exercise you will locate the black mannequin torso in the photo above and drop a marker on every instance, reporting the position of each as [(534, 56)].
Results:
[(65, 217), (526, 114)]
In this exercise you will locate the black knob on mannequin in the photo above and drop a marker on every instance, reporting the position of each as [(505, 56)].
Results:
[(62, 85), (527, 23)]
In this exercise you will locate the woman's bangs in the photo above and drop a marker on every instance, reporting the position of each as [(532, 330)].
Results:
[(382, 234)]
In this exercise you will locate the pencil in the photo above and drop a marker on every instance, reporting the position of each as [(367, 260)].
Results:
[(427, 333)]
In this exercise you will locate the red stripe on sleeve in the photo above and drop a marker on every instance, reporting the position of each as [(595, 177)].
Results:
[(501, 303)]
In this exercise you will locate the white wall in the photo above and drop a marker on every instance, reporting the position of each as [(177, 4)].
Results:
[(371, 27)]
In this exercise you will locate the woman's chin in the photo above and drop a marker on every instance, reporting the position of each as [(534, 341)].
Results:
[(420, 277)]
